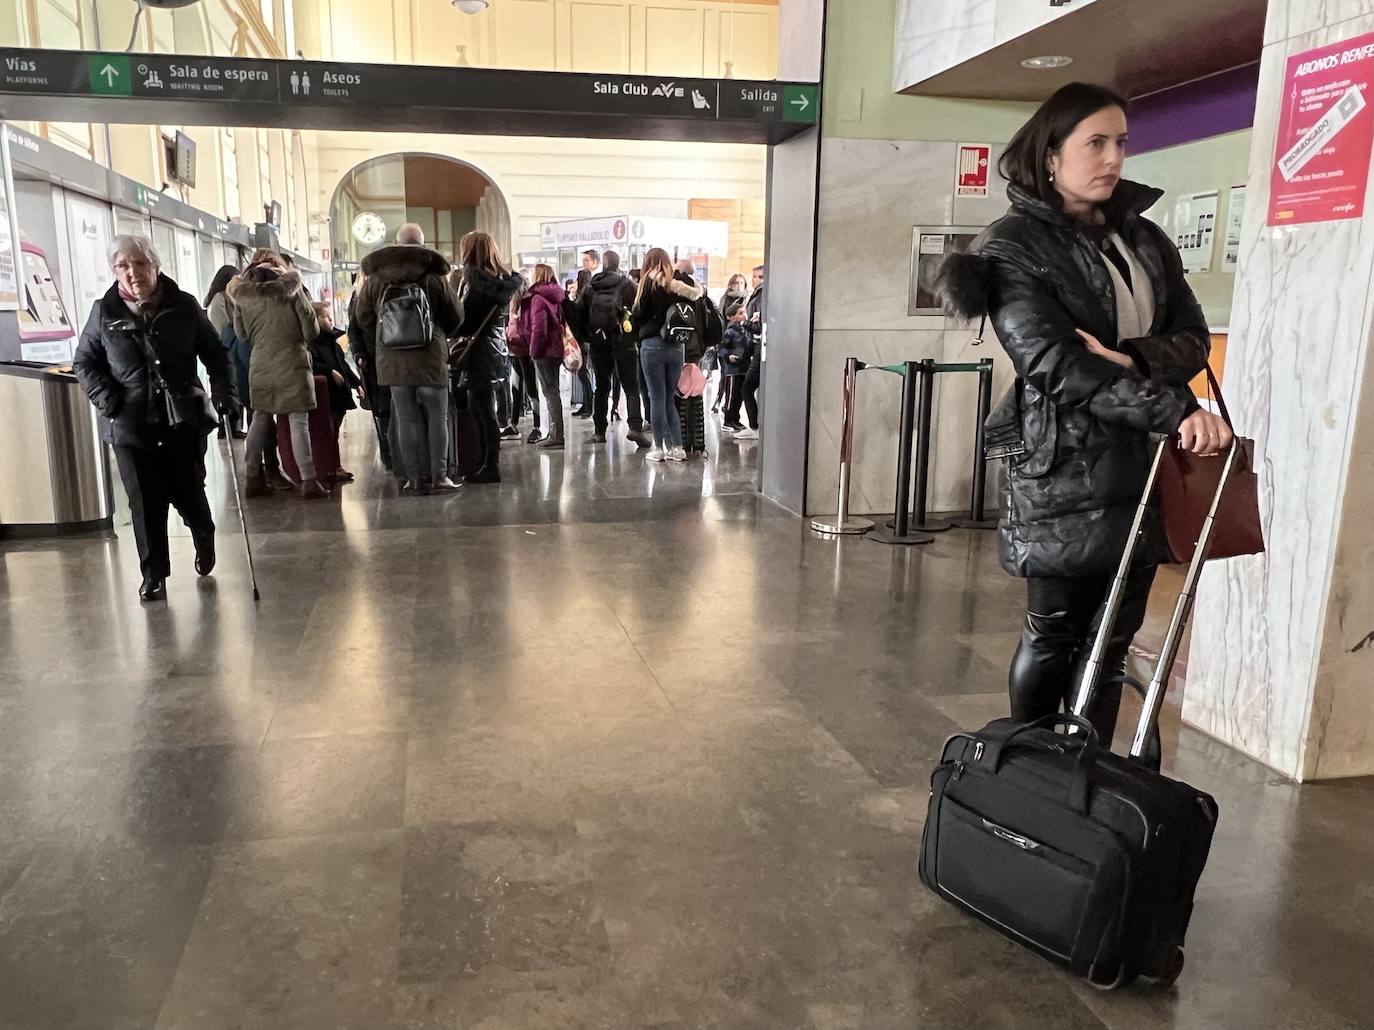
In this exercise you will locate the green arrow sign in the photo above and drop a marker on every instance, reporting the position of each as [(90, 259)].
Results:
[(799, 103), (110, 75)]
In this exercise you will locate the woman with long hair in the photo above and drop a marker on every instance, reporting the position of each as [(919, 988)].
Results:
[(486, 287), (1089, 301), (660, 359)]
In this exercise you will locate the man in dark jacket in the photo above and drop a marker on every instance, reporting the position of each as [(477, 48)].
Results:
[(601, 306), (144, 334), (415, 370)]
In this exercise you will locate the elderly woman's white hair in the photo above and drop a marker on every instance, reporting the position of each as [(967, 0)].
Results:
[(127, 244)]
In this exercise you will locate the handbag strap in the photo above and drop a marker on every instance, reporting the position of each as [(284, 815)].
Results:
[(1215, 388), (154, 362)]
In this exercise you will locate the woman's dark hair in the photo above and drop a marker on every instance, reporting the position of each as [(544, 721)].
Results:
[(1025, 162), (219, 282)]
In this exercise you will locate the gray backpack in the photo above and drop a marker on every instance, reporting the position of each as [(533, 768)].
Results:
[(405, 322)]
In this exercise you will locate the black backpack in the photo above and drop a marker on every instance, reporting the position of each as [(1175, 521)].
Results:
[(404, 321), (604, 314), (680, 326), (712, 325)]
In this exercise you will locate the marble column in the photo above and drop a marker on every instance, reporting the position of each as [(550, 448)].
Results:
[(1282, 657)]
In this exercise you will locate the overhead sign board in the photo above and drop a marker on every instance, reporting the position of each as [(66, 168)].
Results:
[(312, 88)]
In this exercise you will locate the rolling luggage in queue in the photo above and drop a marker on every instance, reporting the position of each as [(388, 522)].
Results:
[(1085, 857), (464, 456), (323, 447)]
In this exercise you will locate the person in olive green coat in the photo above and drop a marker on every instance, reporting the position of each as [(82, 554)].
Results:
[(272, 312)]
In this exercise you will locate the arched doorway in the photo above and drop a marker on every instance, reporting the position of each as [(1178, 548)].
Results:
[(446, 197)]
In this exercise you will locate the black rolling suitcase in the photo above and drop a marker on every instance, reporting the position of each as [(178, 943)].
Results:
[(1085, 857)]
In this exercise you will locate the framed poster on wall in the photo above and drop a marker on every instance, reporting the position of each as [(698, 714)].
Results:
[(9, 229), (930, 245)]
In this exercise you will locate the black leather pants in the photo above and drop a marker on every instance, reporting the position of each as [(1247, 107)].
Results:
[(1062, 618)]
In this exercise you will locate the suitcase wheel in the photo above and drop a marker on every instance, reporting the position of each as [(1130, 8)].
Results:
[(1170, 969)]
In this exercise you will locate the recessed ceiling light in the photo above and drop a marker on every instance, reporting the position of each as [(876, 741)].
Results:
[(1047, 61), (470, 6)]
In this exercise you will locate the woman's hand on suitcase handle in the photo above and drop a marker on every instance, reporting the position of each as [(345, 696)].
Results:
[(1204, 434)]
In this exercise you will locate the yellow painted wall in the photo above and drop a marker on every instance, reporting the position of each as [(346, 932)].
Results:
[(667, 37)]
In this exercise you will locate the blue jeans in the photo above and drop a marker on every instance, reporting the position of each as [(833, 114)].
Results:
[(662, 364)]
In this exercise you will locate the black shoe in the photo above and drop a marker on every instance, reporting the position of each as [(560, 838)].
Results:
[(510, 433), (582, 413), (534, 436), (599, 436), (154, 588), (483, 476), (205, 558)]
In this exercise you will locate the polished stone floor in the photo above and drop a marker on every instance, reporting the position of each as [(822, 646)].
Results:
[(609, 745)]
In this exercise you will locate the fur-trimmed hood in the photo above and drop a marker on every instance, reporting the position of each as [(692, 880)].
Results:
[(689, 291), (279, 288), (405, 263), (962, 282)]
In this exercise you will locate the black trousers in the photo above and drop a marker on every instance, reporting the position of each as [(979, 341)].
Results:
[(735, 392), (482, 400), (584, 379), (616, 360), (527, 391), (172, 473), (745, 392), (1062, 618)]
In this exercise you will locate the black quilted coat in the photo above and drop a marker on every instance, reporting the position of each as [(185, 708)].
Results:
[(1068, 499), (481, 294)]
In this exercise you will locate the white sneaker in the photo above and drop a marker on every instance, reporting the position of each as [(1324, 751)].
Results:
[(656, 454), (747, 434), (677, 454)]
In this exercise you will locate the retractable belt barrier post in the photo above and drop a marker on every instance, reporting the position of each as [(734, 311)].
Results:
[(977, 517), (843, 524), (916, 398)]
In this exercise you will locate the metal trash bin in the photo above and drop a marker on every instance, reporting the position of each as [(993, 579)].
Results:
[(54, 471)]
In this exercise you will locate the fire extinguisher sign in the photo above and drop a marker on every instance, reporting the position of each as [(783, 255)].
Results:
[(971, 177)]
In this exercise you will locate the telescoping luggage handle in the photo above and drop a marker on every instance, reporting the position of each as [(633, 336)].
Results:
[(1173, 639)]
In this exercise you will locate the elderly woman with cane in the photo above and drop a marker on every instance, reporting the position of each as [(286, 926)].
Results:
[(137, 362)]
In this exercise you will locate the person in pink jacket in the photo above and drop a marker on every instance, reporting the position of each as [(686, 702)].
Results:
[(541, 319)]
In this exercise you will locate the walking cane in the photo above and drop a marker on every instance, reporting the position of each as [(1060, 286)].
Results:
[(243, 521)]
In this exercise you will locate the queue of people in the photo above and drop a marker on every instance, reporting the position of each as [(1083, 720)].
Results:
[(438, 350)]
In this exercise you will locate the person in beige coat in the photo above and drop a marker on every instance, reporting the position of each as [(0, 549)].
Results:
[(272, 313)]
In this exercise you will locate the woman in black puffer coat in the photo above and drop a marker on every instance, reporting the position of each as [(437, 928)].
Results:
[(1089, 301), (485, 287), (143, 335)]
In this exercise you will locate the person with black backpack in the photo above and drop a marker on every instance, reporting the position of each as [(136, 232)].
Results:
[(666, 321), (603, 305), (710, 328), (406, 313)]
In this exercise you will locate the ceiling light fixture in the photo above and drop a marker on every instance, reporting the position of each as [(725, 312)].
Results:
[(470, 6), (1047, 62)]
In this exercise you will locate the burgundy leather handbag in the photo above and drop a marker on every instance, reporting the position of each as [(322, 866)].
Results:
[(1187, 484)]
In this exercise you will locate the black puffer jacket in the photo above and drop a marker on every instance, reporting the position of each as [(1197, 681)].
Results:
[(479, 292), (1068, 500), (111, 362)]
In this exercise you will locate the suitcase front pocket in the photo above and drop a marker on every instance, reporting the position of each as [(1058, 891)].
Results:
[(1030, 890)]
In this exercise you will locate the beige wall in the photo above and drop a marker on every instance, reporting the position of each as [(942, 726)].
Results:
[(231, 182), (669, 37), (546, 180)]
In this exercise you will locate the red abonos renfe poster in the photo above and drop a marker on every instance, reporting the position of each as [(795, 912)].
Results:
[(1326, 130)]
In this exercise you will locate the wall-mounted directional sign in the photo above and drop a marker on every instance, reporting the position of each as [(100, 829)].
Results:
[(71, 85)]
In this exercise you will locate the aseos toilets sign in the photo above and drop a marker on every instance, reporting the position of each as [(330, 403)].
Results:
[(1326, 131)]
